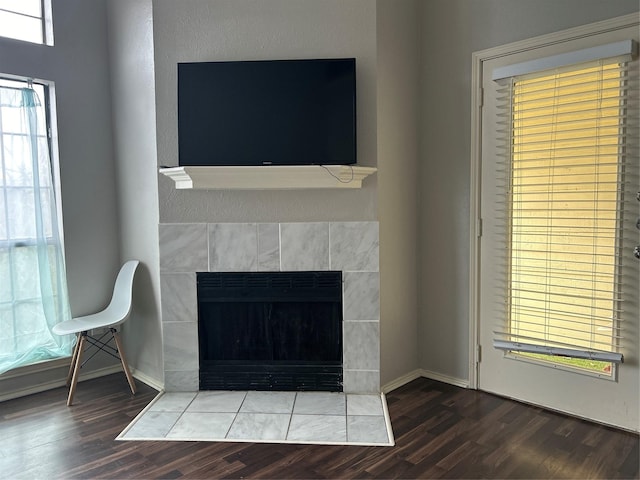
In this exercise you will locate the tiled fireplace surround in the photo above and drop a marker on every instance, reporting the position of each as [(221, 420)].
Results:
[(351, 247)]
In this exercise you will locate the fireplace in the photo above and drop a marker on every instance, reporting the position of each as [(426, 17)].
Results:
[(348, 247), (270, 331)]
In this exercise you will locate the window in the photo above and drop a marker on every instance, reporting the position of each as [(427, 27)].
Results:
[(33, 296), (28, 20), (566, 142)]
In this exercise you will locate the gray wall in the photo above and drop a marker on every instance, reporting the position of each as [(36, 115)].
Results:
[(383, 37), (79, 67), (130, 33), (451, 31), (397, 78), (202, 30)]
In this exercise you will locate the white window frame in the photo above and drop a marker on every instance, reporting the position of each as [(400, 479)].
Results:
[(477, 94), (46, 22)]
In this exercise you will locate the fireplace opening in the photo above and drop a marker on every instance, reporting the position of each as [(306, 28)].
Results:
[(270, 330)]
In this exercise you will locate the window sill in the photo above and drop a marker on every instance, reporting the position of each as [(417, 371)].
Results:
[(36, 368)]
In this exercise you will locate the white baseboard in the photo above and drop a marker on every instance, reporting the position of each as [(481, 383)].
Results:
[(101, 372), (420, 372), (403, 380), (42, 387), (37, 367), (60, 382), (458, 382), (152, 382)]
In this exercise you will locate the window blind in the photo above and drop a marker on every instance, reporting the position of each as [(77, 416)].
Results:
[(566, 137)]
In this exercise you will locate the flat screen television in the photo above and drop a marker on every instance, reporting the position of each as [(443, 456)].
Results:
[(276, 112)]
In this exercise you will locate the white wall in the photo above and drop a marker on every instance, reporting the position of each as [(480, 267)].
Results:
[(78, 66), (205, 30), (397, 79), (130, 33), (451, 31)]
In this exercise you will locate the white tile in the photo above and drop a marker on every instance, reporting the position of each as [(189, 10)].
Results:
[(217, 402), (364, 405), (259, 426), (317, 428), (183, 247), (361, 296), (320, 403), (180, 345), (268, 247), (233, 247), (361, 345), (361, 381), (354, 246), (268, 402), (304, 246), (153, 425), (202, 426), (173, 402), (179, 297), (367, 429), (181, 380)]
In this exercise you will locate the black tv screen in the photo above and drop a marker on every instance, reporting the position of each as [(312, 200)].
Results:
[(277, 112)]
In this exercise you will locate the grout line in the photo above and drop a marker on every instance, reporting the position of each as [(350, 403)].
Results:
[(235, 417), (180, 416), (242, 402), (286, 435), (174, 424)]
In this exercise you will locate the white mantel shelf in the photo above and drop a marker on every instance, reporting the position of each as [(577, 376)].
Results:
[(268, 177)]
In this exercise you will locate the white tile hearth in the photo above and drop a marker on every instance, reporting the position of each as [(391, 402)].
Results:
[(218, 402), (268, 402), (273, 417), (153, 424), (200, 426), (363, 404), (321, 403), (318, 428), (259, 426)]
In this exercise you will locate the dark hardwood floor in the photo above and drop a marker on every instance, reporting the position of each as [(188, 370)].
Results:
[(441, 431)]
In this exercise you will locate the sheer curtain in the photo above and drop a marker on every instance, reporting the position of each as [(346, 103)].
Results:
[(33, 289)]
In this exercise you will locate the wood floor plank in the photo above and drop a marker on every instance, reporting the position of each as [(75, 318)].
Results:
[(441, 431)]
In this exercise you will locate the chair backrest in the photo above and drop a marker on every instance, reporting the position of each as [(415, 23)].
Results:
[(120, 304)]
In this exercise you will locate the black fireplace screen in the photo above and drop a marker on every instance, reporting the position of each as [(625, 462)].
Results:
[(270, 330)]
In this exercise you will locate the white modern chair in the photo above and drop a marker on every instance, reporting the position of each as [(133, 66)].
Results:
[(116, 313)]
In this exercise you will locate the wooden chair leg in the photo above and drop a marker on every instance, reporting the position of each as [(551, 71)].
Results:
[(76, 369), (74, 357), (123, 359)]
